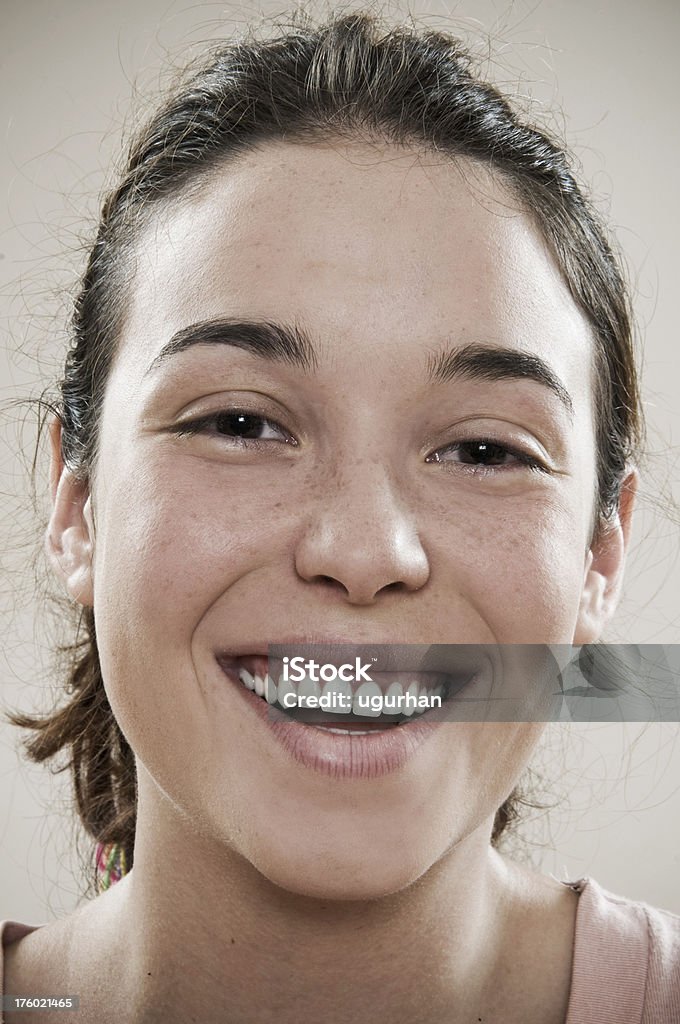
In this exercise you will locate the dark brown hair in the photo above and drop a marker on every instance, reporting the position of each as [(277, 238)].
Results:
[(352, 78)]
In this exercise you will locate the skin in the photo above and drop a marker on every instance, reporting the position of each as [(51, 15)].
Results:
[(340, 523)]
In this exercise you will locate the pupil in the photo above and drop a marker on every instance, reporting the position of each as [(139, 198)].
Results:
[(487, 453), (240, 424)]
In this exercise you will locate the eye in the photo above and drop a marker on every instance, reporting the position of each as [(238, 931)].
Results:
[(239, 425), (486, 456)]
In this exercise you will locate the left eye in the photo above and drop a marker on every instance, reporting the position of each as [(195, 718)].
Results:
[(485, 454), (238, 424)]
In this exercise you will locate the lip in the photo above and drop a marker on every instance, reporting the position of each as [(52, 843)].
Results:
[(369, 755), (321, 642)]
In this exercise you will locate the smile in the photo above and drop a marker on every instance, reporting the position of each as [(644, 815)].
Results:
[(342, 729), (387, 700)]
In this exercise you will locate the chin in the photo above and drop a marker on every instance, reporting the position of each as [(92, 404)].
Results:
[(351, 887), (346, 873)]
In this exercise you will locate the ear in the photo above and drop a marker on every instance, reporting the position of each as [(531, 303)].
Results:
[(604, 567), (69, 539)]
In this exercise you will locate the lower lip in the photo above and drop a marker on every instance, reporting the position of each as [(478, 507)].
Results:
[(351, 755)]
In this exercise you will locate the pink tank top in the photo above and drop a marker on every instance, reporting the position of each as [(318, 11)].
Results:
[(626, 963)]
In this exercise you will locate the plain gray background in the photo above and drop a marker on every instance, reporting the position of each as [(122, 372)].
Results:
[(603, 73)]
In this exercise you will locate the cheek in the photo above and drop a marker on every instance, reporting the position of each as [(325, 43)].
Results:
[(519, 564), (173, 541), (173, 538)]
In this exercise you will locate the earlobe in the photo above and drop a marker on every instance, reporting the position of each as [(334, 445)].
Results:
[(603, 572), (69, 539)]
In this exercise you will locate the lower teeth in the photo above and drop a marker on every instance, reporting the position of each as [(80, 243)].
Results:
[(352, 732)]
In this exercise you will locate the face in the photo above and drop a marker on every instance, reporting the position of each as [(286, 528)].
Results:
[(383, 476)]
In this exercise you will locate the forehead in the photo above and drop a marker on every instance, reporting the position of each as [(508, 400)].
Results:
[(380, 248)]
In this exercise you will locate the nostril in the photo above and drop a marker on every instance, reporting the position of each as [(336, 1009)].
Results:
[(330, 581), (399, 585)]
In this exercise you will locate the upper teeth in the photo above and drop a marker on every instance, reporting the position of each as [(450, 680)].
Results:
[(274, 693)]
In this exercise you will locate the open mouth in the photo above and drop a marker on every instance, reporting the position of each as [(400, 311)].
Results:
[(350, 711), (339, 705)]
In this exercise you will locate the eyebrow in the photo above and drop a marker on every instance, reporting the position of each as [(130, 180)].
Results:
[(276, 341), (289, 342), (487, 362)]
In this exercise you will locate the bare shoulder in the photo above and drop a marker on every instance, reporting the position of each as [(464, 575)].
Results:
[(29, 960), (59, 958), (35, 965)]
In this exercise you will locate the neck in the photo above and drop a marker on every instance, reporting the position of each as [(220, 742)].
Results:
[(207, 934)]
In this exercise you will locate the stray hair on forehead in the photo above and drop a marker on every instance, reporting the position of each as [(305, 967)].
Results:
[(349, 78)]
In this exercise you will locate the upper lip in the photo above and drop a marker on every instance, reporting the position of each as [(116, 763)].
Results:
[(319, 641), (393, 656)]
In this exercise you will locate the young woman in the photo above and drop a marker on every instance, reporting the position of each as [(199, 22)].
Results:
[(351, 364)]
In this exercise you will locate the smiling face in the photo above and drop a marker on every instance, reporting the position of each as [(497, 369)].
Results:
[(352, 401)]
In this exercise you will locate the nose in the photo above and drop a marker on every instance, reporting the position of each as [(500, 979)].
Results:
[(360, 538)]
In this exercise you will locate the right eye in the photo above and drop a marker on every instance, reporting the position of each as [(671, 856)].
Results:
[(239, 425)]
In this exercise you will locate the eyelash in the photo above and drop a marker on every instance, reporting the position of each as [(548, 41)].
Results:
[(201, 424)]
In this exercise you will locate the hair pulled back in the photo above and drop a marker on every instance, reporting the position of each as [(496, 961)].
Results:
[(348, 78)]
